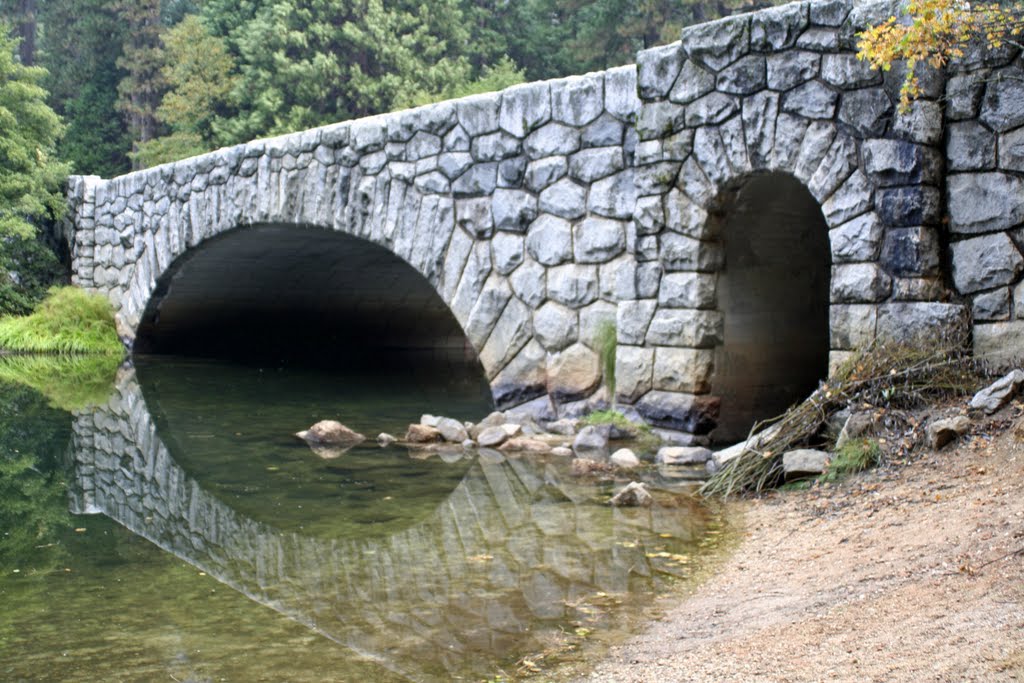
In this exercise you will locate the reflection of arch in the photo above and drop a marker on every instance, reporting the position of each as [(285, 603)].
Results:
[(419, 601), (296, 290), (773, 292)]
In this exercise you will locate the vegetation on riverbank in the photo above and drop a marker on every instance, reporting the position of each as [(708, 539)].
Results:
[(68, 321), (68, 382), (887, 375)]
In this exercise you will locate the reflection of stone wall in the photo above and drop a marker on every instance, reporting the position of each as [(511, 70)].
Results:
[(504, 549)]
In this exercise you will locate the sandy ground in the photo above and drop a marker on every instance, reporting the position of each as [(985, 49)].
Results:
[(913, 572)]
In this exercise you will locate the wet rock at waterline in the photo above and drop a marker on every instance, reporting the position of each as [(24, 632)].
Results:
[(420, 433), (634, 494), (330, 432), (492, 437), (384, 439), (942, 432), (592, 440), (683, 455), (525, 444), (625, 458), (582, 467)]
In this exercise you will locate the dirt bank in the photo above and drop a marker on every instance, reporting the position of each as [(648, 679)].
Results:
[(913, 572)]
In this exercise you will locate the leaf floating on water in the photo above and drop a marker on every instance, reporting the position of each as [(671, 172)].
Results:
[(80, 530), (273, 468), (480, 558)]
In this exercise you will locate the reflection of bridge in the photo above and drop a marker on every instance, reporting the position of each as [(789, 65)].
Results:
[(504, 550)]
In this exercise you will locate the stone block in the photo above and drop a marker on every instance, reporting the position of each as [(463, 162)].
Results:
[(595, 163), (552, 139), (513, 210), (786, 70), (963, 95), (480, 179), (745, 77), (896, 162), (909, 320), (593, 318), (618, 279), (818, 39), (540, 173), (573, 373), (632, 320), (633, 371), (852, 326), (657, 70), (984, 202), (577, 100), (985, 262), (909, 206), (524, 108), (1002, 107), (921, 123), (564, 198), (687, 370), (615, 196), (685, 327), (694, 82), (479, 114), (1011, 150), (687, 290), (991, 306), (529, 283), (679, 252), (555, 326), (777, 28), (620, 92), (910, 252), (711, 109), (573, 285), (858, 239), (506, 252), (717, 44), (1001, 343), (549, 240), (606, 131), (846, 72), (523, 379), (659, 119), (859, 283), (971, 147), (868, 111), (695, 414), (494, 146)]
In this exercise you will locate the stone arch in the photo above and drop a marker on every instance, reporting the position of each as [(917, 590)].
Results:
[(298, 293), (772, 291)]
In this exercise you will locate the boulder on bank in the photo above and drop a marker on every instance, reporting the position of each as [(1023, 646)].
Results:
[(999, 393), (941, 432), (683, 455), (804, 462), (635, 494), (330, 432)]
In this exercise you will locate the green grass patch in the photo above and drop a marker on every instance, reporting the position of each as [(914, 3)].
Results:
[(606, 341), (637, 430), (68, 321), (855, 456), (68, 382)]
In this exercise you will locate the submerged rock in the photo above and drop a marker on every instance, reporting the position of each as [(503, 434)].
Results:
[(330, 432), (582, 467), (562, 451), (328, 452), (941, 432), (634, 494)]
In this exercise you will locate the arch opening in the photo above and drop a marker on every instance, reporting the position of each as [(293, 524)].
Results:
[(303, 296), (773, 292)]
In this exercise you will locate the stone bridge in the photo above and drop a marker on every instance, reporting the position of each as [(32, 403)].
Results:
[(745, 205), (506, 553)]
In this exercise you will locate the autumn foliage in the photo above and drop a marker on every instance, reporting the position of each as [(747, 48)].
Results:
[(933, 32)]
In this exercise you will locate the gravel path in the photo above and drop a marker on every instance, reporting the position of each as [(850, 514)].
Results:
[(910, 573)]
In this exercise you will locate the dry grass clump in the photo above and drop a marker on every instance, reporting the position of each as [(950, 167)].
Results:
[(901, 374)]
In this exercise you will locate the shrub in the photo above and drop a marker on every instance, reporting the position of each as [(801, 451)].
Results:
[(68, 321)]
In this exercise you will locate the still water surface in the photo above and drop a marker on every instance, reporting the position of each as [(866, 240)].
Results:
[(178, 532)]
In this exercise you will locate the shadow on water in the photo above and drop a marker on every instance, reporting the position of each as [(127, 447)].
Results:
[(423, 569)]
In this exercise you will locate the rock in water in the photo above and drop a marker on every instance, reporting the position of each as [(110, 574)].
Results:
[(634, 494), (625, 458), (420, 433), (592, 440), (492, 437), (452, 430), (384, 439), (941, 432), (683, 455), (996, 395), (330, 432)]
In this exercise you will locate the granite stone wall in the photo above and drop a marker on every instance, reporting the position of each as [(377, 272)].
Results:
[(540, 213)]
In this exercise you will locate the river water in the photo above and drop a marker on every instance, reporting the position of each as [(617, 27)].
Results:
[(177, 531)]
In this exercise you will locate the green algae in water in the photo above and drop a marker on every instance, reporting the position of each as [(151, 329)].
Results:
[(198, 561)]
